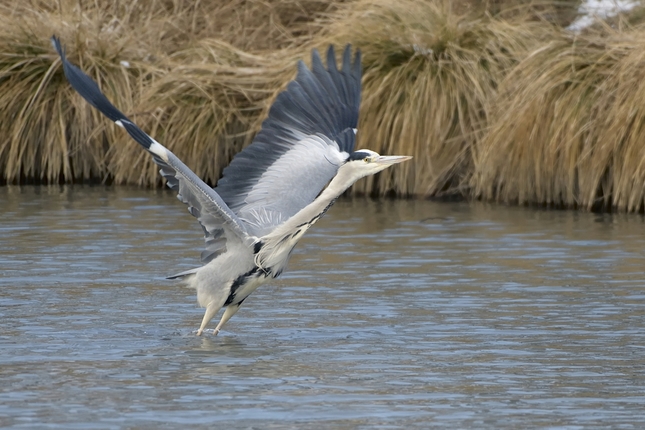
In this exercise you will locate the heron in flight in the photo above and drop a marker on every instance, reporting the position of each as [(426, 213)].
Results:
[(275, 189)]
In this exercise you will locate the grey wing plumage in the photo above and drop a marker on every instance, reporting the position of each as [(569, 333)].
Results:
[(308, 134), (218, 221)]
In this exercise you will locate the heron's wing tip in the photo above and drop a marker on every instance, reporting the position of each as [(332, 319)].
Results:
[(213, 213), (55, 41)]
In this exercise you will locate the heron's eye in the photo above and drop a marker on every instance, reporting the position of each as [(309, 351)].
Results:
[(367, 159)]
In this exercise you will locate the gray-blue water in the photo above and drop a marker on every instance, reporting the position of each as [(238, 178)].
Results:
[(393, 314)]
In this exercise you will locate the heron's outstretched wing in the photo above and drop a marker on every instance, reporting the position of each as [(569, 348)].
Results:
[(218, 221), (308, 134)]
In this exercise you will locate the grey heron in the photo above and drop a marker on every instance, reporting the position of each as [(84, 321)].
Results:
[(274, 190)]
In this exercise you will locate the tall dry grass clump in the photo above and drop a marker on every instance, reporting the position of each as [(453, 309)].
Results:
[(180, 68), (494, 99), (429, 71), (37, 106), (568, 126)]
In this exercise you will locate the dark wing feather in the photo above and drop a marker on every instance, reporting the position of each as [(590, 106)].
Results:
[(316, 116), (203, 202)]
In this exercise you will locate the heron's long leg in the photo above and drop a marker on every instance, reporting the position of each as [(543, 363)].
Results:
[(228, 313), (211, 310)]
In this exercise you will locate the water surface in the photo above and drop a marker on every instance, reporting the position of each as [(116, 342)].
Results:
[(392, 313)]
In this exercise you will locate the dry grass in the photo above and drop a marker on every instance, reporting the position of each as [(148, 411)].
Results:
[(558, 12), (36, 107), (493, 99), (568, 126), (210, 101), (183, 69), (428, 74)]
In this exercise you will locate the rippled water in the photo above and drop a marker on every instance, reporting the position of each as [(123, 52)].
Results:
[(393, 313)]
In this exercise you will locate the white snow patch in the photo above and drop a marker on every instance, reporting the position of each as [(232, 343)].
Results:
[(590, 10), (418, 49)]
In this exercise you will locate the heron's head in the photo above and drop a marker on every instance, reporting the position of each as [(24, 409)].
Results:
[(365, 162)]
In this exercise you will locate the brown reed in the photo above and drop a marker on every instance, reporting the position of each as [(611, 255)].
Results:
[(428, 75), (494, 99), (210, 91), (567, 125)]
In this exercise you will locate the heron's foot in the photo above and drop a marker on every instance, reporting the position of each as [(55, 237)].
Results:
[(228, 313), (211, 310)]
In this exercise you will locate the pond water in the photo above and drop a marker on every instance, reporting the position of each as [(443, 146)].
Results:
[(392, 313)]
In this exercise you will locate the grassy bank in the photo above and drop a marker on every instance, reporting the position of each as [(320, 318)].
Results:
[(495, 100)]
